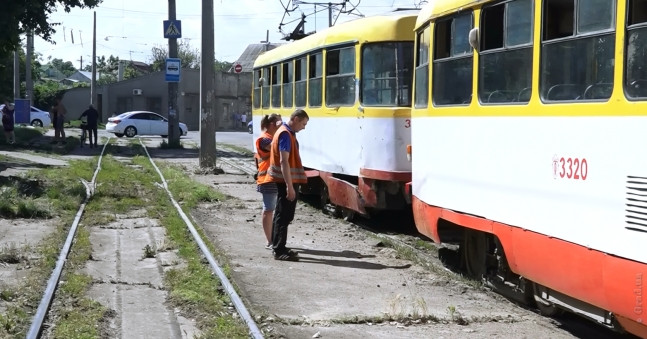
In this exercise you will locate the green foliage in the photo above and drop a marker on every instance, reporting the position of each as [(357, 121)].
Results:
[(6, 72), (190, 57), (221, 66), (19, 16), (65, 67), (45, 93)]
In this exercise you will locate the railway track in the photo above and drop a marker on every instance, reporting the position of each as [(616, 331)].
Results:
[(53, 282)]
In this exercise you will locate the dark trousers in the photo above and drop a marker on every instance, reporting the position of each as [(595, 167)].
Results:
[(92, 131), (283, 215)]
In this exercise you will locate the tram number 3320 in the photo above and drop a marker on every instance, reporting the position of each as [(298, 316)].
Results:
[(570, 168)]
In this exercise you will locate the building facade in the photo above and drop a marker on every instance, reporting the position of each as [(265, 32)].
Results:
[(150, 93)]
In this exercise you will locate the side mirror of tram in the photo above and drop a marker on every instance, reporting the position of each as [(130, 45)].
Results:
[(474, 38)]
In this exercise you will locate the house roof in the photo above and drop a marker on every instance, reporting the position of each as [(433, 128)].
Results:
[(251, 53)]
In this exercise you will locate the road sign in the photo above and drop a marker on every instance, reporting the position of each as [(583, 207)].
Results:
[(238, 68), (172, 66), (22, 111), (172, 29)]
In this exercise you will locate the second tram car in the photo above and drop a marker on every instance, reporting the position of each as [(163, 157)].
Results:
[(354, 80), (528, 135)]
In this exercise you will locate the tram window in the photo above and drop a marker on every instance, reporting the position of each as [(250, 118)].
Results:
[(315, 73), (580, 66), (637, 12), (287, 84), (276, 86), (257, 88), (636, 55), (386, 74), (265, 86), (595, 15), (340, 77), (300, 74), (558, 19), (422, 69), (505, 67), (518, 23), (452, 73)]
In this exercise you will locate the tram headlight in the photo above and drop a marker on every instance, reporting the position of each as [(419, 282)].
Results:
[(409, 153)]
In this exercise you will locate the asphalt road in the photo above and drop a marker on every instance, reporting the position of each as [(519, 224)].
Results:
[(242, 138)]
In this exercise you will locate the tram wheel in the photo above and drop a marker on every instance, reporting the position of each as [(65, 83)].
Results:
[(324, 196), (544, 306), (347, 214), (473, 250)]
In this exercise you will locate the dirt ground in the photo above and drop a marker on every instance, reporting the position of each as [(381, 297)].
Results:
[(345, 285)]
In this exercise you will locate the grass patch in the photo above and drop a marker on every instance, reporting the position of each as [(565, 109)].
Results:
[(194, 288), (171, 145), (236, 148)]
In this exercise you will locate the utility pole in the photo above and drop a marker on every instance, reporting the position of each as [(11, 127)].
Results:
[(329, 14), (16, 74), (207, 118), (93, 83), (28, 82), (173, 123)]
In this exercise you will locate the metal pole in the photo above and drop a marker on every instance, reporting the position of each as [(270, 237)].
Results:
[(329, 14), (207, 115), (16, 75), (173, 121), (28, 82), (93, 84)]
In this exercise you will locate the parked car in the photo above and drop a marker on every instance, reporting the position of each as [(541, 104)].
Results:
[(250, 128), (135, 123), (37, 117)]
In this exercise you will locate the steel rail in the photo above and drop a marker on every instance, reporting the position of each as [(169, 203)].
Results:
[(52, 283), (229, 288)]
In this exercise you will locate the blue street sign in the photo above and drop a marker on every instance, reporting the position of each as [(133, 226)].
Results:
[(22, 111), (172, 29), (172, 66)]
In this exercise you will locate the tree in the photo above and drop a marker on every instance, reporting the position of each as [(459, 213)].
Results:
[(189, 57), (222, 66), (65, 67), (6, 73), (17, 17)]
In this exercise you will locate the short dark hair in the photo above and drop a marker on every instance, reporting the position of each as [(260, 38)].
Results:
[(299, 113)]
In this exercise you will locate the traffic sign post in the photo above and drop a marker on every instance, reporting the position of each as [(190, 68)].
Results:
[(172, 67), (172, 29)]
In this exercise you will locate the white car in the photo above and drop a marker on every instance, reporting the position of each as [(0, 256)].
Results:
[(37, 117), (135, 123)]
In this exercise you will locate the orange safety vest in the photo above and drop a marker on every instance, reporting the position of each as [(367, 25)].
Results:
[(297, 172), (262, 159)]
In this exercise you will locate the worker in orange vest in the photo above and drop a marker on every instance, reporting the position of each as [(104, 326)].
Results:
[(286, 171), (269, 124)]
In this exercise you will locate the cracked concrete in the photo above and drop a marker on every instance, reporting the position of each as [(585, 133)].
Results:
[(132, 285)]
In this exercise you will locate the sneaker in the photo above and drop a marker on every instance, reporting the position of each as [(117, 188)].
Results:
[(285, 257), (268, 246)]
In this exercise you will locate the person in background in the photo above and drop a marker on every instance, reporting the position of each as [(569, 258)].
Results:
[(243, 120), (286, 171), (52, 113), (84, 128), (8, 122), (92, 116), (60, 119), (269, 125)]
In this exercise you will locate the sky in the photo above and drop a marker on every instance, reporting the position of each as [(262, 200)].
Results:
[(129, 29)]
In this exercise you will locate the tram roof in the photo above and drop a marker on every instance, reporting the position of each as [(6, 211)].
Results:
[(395, 26), (436, 8)]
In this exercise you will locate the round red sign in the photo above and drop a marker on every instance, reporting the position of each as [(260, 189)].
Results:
[(238, 68)]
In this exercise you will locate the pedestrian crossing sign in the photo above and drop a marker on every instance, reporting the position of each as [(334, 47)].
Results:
[(172, 29)]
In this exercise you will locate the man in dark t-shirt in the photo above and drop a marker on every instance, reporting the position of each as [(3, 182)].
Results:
[(93, 119)]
